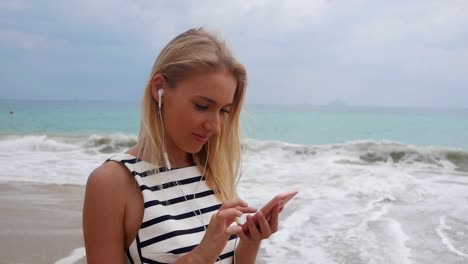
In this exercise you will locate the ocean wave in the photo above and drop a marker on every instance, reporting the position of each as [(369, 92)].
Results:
[(111, 143), (35, 143), (254, 145), (397, 153), (367, 152), (354, 152)]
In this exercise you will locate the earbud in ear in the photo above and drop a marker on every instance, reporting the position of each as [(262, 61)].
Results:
[(160, 93)]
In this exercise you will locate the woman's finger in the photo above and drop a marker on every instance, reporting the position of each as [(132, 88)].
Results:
[(245, 226), (229, 213), (233, 203), (246, 210), (274, 219), (233, 229), (265, 229), (253, 229), (242, 234)]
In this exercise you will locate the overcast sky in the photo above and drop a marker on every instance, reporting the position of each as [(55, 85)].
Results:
[(363, 52)]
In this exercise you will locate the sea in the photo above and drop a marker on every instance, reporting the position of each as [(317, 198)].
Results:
[(376, 184)]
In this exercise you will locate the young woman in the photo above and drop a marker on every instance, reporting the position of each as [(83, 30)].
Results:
[(172, 197)]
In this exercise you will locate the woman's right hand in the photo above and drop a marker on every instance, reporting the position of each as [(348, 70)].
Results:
[(220, 229)]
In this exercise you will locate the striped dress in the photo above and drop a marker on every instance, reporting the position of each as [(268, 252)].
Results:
[(172, 225)]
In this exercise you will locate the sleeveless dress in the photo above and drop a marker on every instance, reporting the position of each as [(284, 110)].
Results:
[(172, 224)]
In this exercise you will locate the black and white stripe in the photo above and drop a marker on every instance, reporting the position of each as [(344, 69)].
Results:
[(178, 205)]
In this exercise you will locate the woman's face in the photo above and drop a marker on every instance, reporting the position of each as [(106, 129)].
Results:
[(195, 109)]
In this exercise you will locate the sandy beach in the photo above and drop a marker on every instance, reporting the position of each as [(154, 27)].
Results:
[(40, 223)]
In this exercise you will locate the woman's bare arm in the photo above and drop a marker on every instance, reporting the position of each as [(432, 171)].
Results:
[(103, 215)]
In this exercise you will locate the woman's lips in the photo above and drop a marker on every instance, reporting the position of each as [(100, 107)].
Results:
[(200, 138)]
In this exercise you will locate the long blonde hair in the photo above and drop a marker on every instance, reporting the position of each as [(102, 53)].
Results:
[(189, 52)]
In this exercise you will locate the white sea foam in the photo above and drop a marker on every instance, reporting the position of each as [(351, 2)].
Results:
[(441, 229), (48, 159), (74, 256), (36, 143), (55, 159)]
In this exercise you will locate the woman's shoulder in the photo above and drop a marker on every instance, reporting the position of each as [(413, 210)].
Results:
[(111, 171), (110, 178)]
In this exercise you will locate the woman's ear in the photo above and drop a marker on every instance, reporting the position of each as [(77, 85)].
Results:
[(157, 83)]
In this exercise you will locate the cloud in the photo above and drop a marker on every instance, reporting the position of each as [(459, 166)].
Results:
[(22, 40), (361, 50), (13, 5)]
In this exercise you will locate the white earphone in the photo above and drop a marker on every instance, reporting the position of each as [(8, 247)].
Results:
[(166, 157), (160, 93)]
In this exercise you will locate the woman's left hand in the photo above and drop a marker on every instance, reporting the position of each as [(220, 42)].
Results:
[(259, 227)]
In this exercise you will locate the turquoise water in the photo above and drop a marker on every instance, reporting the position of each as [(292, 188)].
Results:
[(68, 118), (301, 124), (323, 125)]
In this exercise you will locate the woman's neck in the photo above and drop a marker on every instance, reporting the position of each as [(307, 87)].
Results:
[(177, 159), (180, 160)]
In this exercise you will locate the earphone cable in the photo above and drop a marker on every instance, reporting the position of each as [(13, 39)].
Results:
[(169, 169)]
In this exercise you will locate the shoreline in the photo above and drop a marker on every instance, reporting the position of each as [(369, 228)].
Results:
[(41, 223)]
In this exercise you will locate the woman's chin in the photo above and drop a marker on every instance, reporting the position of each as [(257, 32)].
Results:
[(195, 149)]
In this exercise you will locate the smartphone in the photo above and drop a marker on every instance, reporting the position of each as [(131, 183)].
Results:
[(280, 199)]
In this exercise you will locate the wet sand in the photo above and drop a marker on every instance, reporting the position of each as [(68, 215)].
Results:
[(40, 223)]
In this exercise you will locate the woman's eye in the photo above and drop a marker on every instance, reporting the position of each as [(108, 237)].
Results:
[(225, 111), (201, 107)]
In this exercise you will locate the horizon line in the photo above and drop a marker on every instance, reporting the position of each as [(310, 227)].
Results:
[(327, 105)]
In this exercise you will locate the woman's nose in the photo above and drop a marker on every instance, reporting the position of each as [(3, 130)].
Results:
[(213, 124)]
